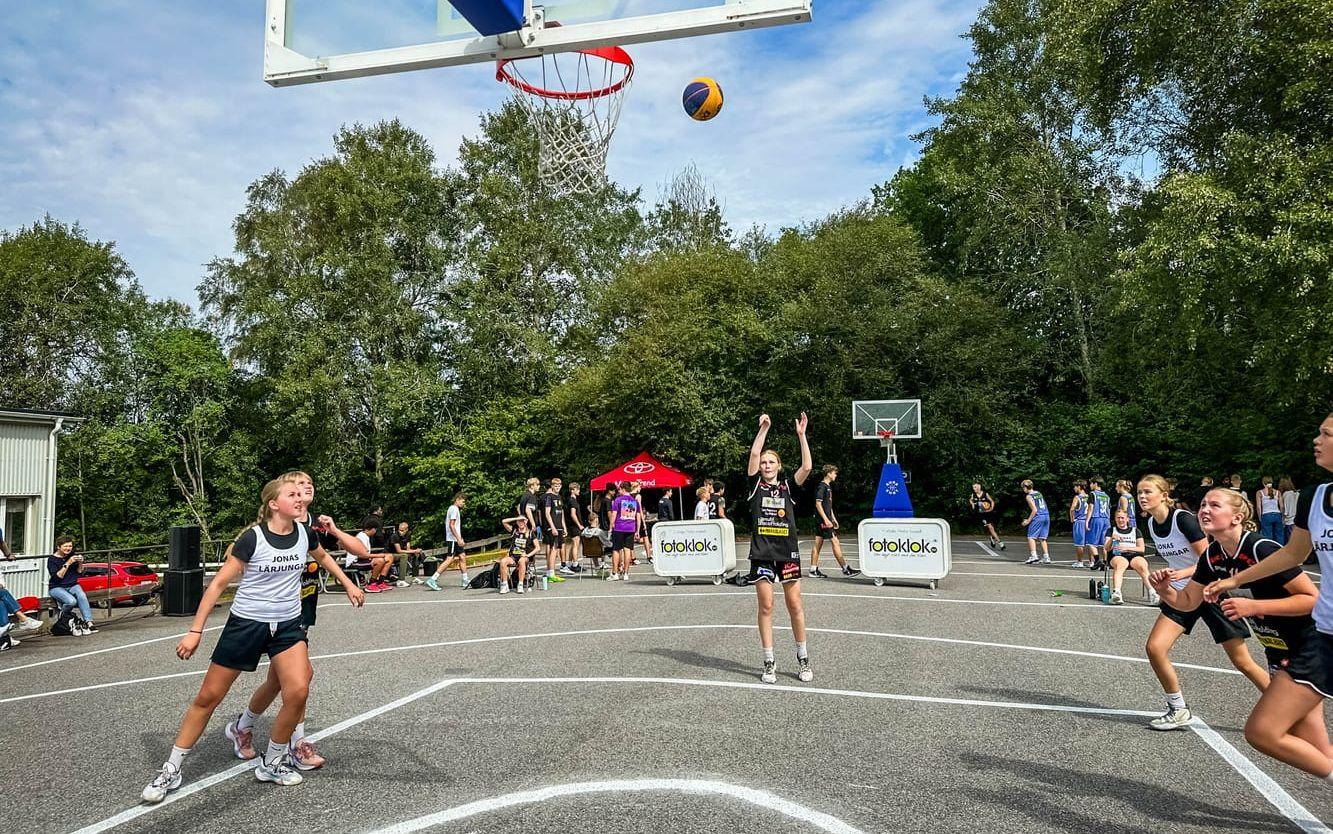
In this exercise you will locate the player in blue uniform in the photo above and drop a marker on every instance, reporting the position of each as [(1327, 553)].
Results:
[(1078, 520), (1038, 523), (1099, 523)]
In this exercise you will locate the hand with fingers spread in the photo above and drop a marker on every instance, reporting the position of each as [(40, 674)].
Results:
[(801, 425)]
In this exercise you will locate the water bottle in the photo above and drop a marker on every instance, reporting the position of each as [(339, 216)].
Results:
[(545, 582), (1106, 594)]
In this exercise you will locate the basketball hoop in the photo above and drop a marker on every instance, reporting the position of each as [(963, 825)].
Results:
[(886, 438), (573, 100), (886, 443)]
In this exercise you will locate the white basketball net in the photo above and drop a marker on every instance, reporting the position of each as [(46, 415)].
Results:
[(573, 100)]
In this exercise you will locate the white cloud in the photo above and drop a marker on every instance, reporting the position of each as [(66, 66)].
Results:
[(149, 135)]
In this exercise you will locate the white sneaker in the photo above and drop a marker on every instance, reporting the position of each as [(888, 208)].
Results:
[(1153, 597), (30, 624), (281, 772), (1117, 598), (805, 674), (402, 583), (1077, 566), (167, 780), (1172, 719), (1031, 560), (1046, 560), (520, 588), (504, 589), (770, 673), (416, 580)]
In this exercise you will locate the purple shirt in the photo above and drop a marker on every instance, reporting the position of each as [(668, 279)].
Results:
[(627, 514)]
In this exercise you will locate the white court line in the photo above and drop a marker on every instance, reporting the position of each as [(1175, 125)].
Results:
[(1273, 792), (762, 799), (99, 651), (1262, 782), (987, 549), (634, 629)]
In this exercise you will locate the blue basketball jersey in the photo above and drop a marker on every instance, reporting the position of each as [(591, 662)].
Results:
[(1080, 507), (1101, 504), (1039, 502)]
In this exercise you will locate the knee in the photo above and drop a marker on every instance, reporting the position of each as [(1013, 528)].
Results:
[(296, 693), (766, 608), (1155, 650), (207, 699), (1260, 737)]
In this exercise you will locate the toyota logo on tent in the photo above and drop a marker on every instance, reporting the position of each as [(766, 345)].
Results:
[(640, 468)]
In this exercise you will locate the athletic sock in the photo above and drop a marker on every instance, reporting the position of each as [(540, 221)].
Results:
[(274, 753), (465, 579), (768, 655), (177, 756), (802, 651), (1175, 700), (1329, 777), (298, 733), (246, 720)]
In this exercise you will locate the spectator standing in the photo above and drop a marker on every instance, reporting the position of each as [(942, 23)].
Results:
[(719, 499), (553, 520), (455, 544), (529, 506), (1290, 499), (1268, 503), (64, 567), (666, 509), (573, 528), (626, 516), (701, 505), (828, 526), (1236, 484)]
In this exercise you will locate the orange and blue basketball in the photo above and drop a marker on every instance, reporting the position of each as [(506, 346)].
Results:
[(702, 99)]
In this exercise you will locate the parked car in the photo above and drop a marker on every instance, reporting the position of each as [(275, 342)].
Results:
[(99, 576)]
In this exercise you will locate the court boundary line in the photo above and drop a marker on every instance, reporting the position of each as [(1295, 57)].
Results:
[(1275, 794)]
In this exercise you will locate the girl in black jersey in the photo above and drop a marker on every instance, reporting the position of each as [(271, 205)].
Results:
[(1313, 531), (265, 618), (775, 554), (984, 506), (240, 730), (1288, 721), (1181, 542)]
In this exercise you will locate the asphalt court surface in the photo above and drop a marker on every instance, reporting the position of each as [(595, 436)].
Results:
[(987, 704)]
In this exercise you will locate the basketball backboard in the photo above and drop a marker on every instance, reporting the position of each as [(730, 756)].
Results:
[(308, 41), (870, 418)]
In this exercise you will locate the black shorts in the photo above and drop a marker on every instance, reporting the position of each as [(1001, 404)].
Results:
[(1309, 663), (555, 538), (986, 518), (826, 532), (768, 570), (622, 541), (309, 604), (455, 549), (1222, 628), (244, 642)]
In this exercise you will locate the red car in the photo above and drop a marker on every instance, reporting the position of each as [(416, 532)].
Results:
[(99, 576)]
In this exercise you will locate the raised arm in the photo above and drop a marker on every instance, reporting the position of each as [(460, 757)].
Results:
[(807, 462), (757, 447)]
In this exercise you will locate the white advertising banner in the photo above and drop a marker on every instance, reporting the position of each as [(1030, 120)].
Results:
[(694, 548), (915, 549)]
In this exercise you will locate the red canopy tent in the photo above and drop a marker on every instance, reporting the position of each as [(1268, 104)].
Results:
[(645, 469)]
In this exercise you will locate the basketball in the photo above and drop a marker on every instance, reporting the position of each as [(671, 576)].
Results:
[(702, 99)]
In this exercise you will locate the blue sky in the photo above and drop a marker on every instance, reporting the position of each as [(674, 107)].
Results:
[(145, 121)]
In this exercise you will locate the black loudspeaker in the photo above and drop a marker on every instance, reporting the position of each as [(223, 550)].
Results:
[(181, 591), (183, 552)]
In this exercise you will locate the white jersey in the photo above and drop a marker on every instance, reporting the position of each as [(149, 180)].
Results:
[(1321, 537), (270, 587), (701, 512), (1124, 541), (1174, 546), (453, 518), (1269, 503)]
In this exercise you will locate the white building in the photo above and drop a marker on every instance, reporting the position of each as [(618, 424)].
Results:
[(28, 441)]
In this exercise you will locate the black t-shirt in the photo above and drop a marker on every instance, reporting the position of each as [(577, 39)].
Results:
[(773, 520), (1305, 503), (712, 508), (981, 503), (572, 511), (529, 502), (1187, 522), (556, 505), (397, 540), (665, 512), (521, 544), (824, 497), (1217, 564)]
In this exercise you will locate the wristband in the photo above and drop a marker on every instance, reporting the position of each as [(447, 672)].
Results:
[(192, 631)]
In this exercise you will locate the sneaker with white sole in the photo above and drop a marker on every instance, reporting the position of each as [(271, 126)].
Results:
[(504, 588), (1172, 719), (30, 624), (1117, 598), (1031, 560), (520, 588), (804, 672), (1153, 597), (167, 780), (466, 583), (242, 741), (1077, 566), (432, 585), (281, 772), (304, 756), (770, 673), (818, 574), (850, 572), (1046, 560)]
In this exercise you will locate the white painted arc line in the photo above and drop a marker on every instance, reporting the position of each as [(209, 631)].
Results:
[(221, 776), (1276, 795), (1271, 791), (762, 799), (589, 632), (99, 651), (987, 549)]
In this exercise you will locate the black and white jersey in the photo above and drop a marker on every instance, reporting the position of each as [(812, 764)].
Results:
[(1314, 512), (773, 520), (270, 587), (1173, 540)]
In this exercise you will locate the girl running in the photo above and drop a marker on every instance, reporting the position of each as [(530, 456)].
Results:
[(1288, 721), (1038, 523), (240, 730), (1078, 519), (984, 506), (775, 553), (1313, 530), (1181, 542), (1125, 545), (265, 618)]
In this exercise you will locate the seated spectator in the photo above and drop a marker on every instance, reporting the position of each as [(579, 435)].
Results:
[(407, 556), (377, 564), (596, 541), (10, 608), (522, 549), (64, 567)]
